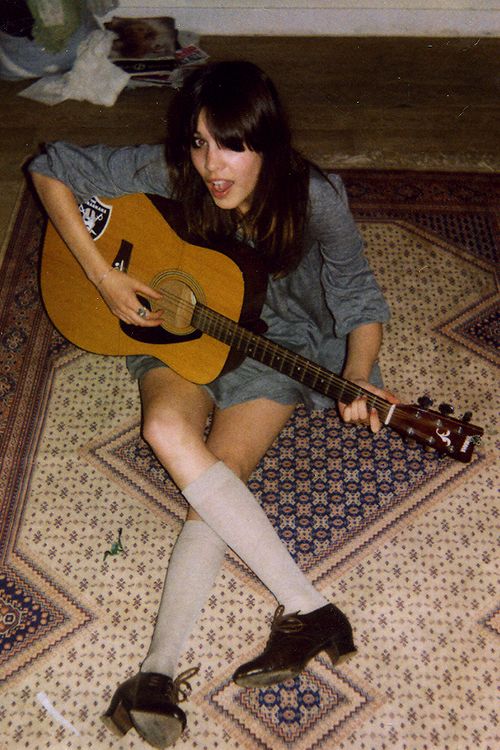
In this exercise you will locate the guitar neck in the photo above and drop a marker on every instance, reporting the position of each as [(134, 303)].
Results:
[(283, 360)]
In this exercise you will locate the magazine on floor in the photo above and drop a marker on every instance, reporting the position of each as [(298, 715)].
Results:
[(149, 49)]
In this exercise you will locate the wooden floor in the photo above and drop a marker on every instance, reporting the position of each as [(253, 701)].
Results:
[(397, 103)]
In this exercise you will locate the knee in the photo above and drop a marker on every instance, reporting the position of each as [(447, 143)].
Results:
[(165, 431), (237, 466), (152, 428)]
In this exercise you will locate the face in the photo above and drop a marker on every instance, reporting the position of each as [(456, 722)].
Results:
[(230, 176)]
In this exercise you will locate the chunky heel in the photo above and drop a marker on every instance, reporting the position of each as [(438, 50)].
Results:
[(340, 652)]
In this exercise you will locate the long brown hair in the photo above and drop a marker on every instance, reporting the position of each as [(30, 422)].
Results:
[(242, 109)]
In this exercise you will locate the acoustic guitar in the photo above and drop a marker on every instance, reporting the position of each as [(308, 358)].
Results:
[(211, 301)]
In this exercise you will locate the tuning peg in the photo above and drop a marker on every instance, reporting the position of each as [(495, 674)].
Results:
[(409, 442), (424, 402), (467, 416), (446, 409)]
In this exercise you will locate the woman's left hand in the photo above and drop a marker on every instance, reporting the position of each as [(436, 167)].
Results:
[(358, 411)]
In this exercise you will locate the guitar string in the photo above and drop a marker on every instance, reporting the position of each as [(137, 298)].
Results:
[(289, 357)]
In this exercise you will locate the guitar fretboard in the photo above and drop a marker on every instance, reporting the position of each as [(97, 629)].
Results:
[(283, 360)]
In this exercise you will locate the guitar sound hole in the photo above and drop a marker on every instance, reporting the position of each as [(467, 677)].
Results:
[(180, 293)]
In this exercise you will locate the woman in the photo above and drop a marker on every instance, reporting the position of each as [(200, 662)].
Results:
[(229, 160)]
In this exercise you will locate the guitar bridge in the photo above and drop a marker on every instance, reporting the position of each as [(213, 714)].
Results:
[(122, 259)]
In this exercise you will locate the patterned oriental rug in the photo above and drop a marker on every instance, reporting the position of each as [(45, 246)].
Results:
[(404, 542)]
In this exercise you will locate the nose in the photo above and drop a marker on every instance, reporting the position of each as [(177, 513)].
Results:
[(213, 158)]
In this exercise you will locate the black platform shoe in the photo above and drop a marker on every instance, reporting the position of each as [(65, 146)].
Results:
[(295, 639), (148, 702)]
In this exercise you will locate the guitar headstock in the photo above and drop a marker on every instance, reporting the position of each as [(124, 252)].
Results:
[(437, 430)]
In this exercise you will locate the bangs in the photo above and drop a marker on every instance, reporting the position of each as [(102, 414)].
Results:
[(235, 109), (226, 129), (229, 127), (240, 106)]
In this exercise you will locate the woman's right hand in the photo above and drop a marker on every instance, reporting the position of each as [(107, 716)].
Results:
[(120, 292)]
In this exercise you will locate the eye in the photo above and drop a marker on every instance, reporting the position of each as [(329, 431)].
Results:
[(197, 141)]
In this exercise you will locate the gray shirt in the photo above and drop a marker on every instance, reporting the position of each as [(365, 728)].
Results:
[(311, 310)]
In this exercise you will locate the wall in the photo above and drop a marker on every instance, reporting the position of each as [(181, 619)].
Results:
[(473, 18)]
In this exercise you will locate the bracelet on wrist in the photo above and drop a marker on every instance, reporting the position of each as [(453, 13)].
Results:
[(106, 273)]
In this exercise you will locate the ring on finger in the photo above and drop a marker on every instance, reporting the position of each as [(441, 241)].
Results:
[(142, 312)]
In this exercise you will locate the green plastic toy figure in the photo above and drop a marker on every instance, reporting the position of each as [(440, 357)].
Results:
[(116, 547)]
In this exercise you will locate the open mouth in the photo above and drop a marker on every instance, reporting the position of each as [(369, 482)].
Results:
[(220, 188)]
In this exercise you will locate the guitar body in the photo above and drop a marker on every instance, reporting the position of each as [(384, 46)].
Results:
[(138, 230)]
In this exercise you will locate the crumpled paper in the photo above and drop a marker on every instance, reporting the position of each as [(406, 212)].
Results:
[(93, 77)]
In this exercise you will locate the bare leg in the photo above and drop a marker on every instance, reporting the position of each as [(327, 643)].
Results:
[(175, 413), (240, 435), (198, 552)]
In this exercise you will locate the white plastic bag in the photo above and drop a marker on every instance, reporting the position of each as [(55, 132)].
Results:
[(93, 77)]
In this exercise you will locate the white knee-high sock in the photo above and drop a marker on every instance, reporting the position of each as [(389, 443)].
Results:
[(194, 563), (225, 503)]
